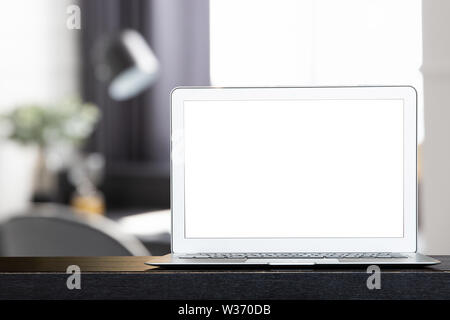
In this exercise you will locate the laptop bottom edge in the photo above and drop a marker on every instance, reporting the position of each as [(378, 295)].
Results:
[(413, 259)]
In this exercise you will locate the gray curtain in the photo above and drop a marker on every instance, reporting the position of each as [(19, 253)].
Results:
[(134, 135), (180, 38)]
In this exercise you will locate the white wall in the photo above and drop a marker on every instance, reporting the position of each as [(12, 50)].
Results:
[(38, 64), (434, 215), (38, 54)]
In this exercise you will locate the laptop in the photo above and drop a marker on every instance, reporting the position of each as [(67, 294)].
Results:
[(294, 176)]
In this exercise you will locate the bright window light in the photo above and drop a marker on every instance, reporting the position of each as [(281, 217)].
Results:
[(316, 42), (260, 42)]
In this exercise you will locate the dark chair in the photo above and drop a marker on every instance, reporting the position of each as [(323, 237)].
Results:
[(56, 231)]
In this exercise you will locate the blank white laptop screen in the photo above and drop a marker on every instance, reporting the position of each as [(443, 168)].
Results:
[(293, 169)]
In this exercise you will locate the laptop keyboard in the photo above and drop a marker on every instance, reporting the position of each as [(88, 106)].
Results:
[(297, 255)]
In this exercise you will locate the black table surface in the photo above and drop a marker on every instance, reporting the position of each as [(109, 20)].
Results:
[(130, 278)]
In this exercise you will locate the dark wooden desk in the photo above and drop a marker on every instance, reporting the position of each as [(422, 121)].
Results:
[(130, 278)]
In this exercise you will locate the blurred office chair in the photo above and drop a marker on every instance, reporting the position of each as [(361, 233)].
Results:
[(57, 231)]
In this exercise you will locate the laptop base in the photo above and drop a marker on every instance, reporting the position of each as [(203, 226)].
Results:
[(413, 259)]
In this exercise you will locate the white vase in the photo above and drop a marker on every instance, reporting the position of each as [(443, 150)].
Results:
[(17, 174)]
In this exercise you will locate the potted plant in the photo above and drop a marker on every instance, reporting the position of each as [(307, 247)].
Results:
[(36, 141)]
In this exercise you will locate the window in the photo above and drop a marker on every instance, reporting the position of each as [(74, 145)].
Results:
[(316, 42)]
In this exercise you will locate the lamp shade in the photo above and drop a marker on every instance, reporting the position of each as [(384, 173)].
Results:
[(127, 63)]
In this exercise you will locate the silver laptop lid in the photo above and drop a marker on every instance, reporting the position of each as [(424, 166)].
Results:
[(294, 169)]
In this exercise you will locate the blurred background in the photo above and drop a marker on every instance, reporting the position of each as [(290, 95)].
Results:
[(84, 102)]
